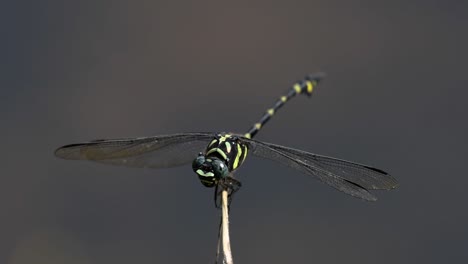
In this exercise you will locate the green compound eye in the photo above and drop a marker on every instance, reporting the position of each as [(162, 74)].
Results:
[(220, 169), (198, 162)]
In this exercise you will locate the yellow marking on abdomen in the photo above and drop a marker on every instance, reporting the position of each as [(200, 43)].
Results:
[(271, 111), (297, 88), (310, 86), (284, 99), (248, 135), (258, 125)]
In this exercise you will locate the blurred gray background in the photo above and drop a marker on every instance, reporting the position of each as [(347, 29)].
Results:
[(395, 97)]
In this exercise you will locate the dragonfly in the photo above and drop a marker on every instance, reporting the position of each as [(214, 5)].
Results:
[(216, 156)]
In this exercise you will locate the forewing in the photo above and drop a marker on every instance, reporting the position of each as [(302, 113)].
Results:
[(351, 178), (151, 152)]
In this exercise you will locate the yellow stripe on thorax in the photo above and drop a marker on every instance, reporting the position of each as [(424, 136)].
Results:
[(245, 153), (223, 138), (236, 160), (212, 142), (228, 147), (220, 151)]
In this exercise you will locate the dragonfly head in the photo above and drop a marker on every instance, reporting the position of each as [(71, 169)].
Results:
[(209, 170)]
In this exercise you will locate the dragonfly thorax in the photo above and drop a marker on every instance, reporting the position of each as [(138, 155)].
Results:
[(223, 155), (209, 169)]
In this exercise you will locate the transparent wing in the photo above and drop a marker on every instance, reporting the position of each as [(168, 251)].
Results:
[(150, 152), (348, 177)]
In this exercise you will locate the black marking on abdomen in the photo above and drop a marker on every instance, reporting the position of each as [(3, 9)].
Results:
[(305, 86)]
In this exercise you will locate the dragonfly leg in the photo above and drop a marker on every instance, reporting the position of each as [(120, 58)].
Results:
[(231, 185)]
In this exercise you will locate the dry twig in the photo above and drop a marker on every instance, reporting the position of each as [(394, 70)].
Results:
[(223, 233), (225, 229)]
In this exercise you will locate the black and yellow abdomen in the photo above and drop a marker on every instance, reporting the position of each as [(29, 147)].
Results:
[(226, 153)]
